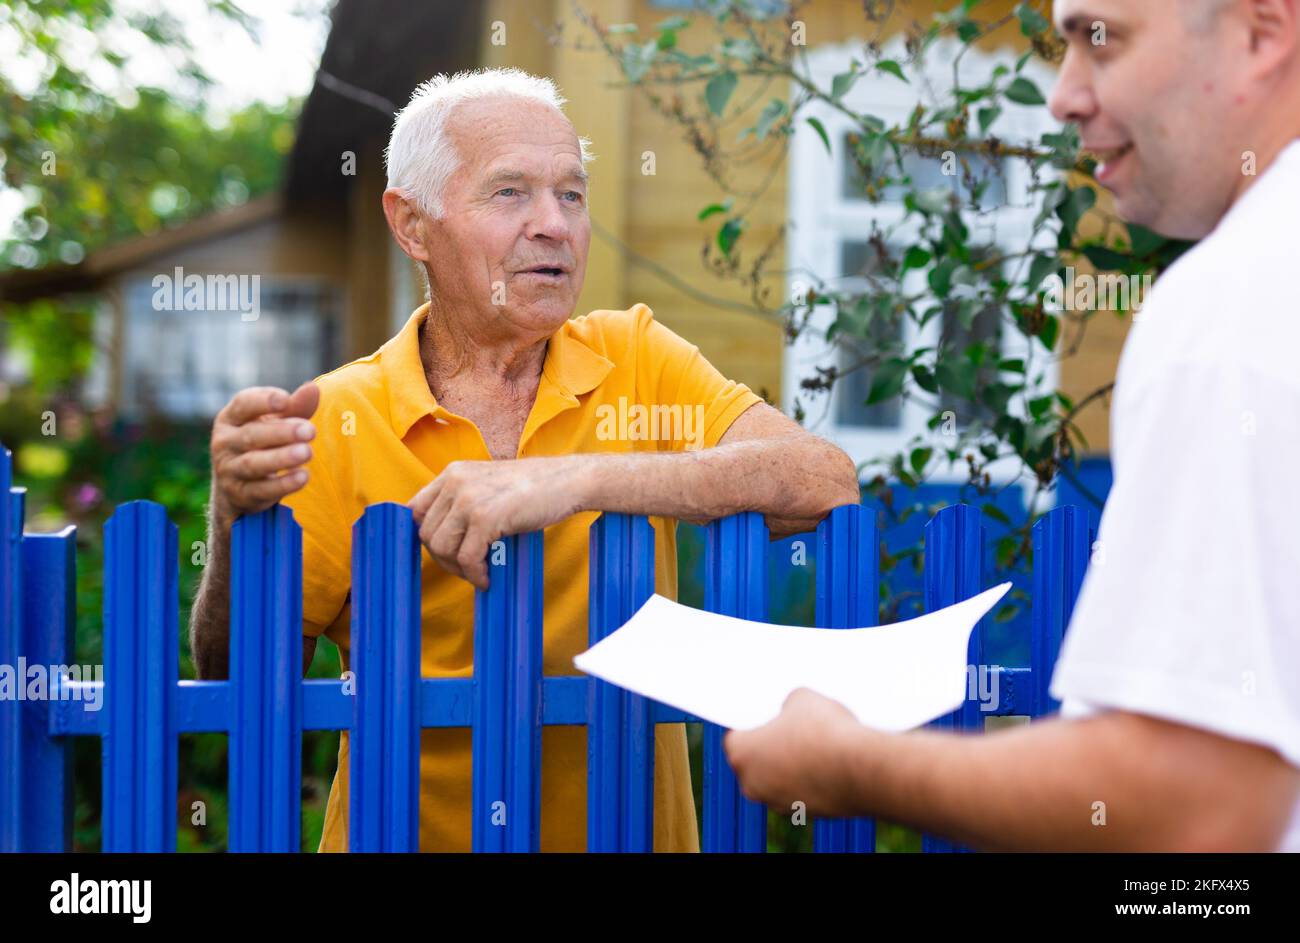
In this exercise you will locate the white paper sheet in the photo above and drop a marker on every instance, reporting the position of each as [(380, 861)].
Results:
[(738, 673)]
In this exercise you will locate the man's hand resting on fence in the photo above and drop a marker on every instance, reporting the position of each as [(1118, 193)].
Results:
[(764, 462), (472, 503)]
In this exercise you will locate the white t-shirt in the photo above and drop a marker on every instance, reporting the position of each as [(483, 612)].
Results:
[(1191, 607)]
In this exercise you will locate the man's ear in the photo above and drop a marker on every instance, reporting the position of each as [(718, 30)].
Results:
[(1273, 31), (405, 222)]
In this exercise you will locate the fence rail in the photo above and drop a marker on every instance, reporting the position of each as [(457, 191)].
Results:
[(266, 704)]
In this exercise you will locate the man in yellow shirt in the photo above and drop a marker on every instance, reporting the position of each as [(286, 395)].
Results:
[(492, 412)]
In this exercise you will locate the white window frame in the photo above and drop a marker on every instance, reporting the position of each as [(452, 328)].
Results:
[(820, 220)]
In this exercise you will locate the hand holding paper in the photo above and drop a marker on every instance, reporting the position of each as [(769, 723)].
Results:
[(738, 673)]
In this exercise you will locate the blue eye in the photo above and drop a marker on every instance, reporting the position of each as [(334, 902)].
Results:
[(504, 190)]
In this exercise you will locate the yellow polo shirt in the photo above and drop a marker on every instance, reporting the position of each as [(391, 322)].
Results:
[(381, 436)]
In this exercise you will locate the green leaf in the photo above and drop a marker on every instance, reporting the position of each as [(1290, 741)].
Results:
[(774, 110), (1106, 259), (919, 459), (1023, 91), (843, 82), (887, 380), (916, 257), (718, 92), (941, 277), (995, 512), (892, 67), (637, 59), (729, 233), (1075, 206), (1144, 240), (1048, 334), (821, 131), (1041, 407), (1031, 21), (1040, 268), (715, 208), (957, 376), (987, 116), (924, 378)]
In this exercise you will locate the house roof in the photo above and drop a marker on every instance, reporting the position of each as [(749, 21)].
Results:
[(376, 53), (88, 274)]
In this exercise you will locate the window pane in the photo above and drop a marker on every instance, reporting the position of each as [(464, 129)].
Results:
[(858, 260), (985, 327), (927, 173), (187, 364)]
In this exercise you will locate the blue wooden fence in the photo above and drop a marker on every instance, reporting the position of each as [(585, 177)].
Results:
[(266, 704)]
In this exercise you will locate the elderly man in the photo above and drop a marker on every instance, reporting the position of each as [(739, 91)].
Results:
[(1180, 675), (488, 414)]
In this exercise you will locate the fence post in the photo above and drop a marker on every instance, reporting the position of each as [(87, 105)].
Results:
[(848, 595), (11, 531), (735, 584), (620, 728), (384, 741), (141, 669), (266, 682), (1062, 549), (954, 570), (507, 710), (49, 632)]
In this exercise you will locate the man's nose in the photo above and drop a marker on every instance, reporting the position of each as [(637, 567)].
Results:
[(1072, 100), (548, 219)]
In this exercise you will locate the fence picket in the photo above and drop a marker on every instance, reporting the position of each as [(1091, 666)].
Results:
[(954, 570), (847, 598), (735, 584), (507, 715), (384, 740), (266, 682), (141, 670), (620, 729)]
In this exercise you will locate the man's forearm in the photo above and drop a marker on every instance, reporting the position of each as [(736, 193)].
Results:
[(794, 481), (1154, 785), (210, 614)]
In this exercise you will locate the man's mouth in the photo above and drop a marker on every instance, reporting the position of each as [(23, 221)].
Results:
[(552, 271), (1108, 158)]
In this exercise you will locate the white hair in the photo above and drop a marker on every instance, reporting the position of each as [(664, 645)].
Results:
[(421, 158)]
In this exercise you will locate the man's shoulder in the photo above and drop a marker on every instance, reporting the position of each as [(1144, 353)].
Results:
[(610, 331), (358, 383)]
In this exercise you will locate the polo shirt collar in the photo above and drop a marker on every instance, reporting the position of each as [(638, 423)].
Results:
[(570, 369)]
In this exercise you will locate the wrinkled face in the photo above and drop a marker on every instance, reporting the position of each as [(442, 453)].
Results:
[(1158, 97), (511, 247)]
